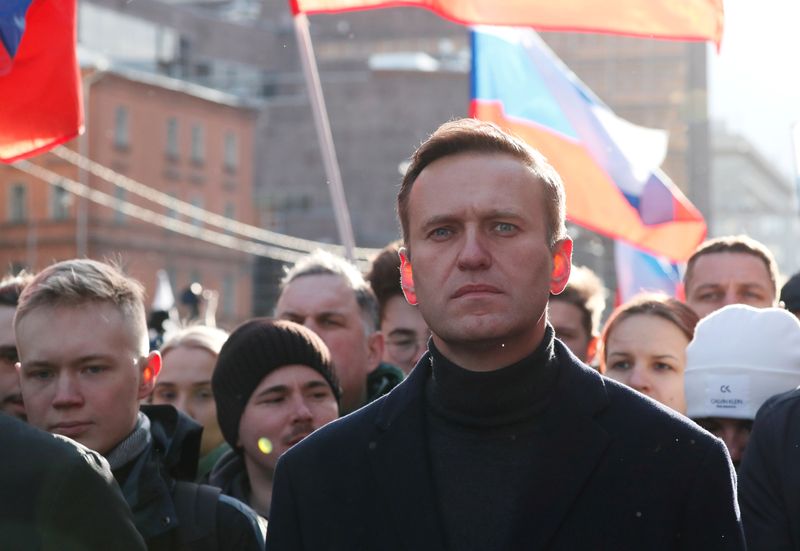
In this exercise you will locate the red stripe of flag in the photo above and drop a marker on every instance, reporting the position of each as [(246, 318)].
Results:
[(673, 19), (41, 103)]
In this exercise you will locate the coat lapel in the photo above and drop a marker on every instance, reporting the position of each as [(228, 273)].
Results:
[(571, 443), (400, 463)]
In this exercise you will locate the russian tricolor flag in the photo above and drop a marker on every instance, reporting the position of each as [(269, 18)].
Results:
[(40, 95), (609, 166), (674, 19)]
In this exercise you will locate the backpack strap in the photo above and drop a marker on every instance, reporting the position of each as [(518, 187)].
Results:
[(196, 509)]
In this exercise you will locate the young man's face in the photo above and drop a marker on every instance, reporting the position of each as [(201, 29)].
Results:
[(82, 372), (567, 321), (185, 382), (720, 279), (327, 305), (405, 333), (286, 406), (478, 243), (10, 396)]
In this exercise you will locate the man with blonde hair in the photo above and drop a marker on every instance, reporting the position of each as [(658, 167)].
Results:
[(84, 367)]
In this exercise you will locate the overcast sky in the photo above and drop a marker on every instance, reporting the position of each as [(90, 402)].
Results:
[(755, 79)]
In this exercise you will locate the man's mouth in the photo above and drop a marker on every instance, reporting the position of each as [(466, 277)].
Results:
[(475, 289)]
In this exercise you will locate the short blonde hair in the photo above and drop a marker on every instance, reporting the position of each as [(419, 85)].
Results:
[(81, 281)]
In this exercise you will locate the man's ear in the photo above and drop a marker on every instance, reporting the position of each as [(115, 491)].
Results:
[(374, 349), (562, 265), (407, 277), (150, 371)]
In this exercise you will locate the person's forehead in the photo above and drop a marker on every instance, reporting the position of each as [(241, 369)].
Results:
[(565, 314), (187, 366), (68, 332), (730, 267), (486, 175), (317, 293), (646, 334)]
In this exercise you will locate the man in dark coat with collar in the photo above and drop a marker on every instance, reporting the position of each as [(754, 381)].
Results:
[(500, 438)]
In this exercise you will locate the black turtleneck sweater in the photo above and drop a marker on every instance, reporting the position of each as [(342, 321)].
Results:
[(481, 436)]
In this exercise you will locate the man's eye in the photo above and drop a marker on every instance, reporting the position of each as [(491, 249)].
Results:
[(41, 374), (660, 366), (95, 369), (204, 394), (166, 395), (505, 227), (622, 365), (441, 233)]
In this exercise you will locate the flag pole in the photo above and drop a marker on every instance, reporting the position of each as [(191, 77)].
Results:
[(324, 135)]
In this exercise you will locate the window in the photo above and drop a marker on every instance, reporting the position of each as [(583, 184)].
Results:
[(121, 138), (18, 203), (171, 213), (231, 151), (197, 202), (119, 195), (59, 203), (172, 149), (230, 210), (198, 144)]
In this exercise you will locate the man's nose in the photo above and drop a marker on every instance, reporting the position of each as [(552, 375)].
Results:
[(182, 404), (474, 253), (68, 392), (301, 411)]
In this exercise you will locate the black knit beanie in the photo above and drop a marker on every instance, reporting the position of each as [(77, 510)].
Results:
[(790, 293), (254, 350)]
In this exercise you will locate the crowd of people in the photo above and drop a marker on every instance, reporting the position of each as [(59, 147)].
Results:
[(462, 395)]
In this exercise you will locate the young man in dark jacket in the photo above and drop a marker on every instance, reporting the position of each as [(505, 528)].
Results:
[(274, 385), (84, 367)]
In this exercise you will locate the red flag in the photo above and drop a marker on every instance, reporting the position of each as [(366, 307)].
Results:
[(40, 97), (675, 19)]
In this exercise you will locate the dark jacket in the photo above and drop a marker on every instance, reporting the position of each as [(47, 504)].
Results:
[(616, 471), (149, 484), (56, 495), (769, 476), (230, 475)]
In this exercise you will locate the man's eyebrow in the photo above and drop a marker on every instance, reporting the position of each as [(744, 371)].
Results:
[(314, 384), (402, 332), (271, 389), (77, 361)]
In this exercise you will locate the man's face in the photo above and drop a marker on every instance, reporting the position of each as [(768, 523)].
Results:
[(10, 396), (405, 333), (82, 373), (327, 305), (478, 243), (286, 406), (185, 382), (567, 320), (720, 279)]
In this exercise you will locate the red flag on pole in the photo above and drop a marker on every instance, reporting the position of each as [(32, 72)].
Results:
[(674, 19), (40, 97)]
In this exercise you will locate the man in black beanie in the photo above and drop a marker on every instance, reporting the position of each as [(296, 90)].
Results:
[(274, 384), (790, 295)]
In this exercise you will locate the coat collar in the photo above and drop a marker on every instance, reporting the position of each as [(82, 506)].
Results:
[(570, 444)]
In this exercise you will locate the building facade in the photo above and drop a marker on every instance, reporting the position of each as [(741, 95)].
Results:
[(192, 143)]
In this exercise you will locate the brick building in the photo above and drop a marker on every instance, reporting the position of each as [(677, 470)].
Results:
[(193, 143)]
